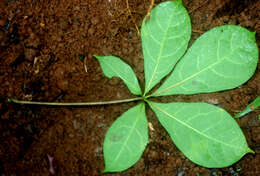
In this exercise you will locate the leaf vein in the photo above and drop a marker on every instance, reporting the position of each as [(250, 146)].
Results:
[(193, 129), (159, 57), (129, 134)]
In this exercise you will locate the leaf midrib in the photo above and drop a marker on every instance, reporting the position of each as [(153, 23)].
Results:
[(159, 56), (186, 79), (194, 75), (139, 114), (195, 130)]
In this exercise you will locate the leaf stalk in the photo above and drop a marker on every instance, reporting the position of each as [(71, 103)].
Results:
[(73, 103)]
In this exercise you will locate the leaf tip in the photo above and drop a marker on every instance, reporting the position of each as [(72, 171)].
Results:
[(105, 171), (252, 34), (179, 1), (249, 150), (96, 56), (108, 169), (99, 58)]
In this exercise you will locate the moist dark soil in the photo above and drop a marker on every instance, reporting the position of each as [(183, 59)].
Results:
[(46, 54)]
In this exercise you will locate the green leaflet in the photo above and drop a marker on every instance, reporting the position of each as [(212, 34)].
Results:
[(165, 38), (206, 134), (126, 140), (114, 66), (222, 58)]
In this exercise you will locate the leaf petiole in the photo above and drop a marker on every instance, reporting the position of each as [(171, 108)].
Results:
[(74, 103)]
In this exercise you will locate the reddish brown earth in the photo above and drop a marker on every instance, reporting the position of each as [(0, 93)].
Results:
[(45, 47)]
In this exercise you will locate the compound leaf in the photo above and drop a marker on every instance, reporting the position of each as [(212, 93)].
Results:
[(165, 36), (126, 140), (206, 134), (222, 58), (114, 66)]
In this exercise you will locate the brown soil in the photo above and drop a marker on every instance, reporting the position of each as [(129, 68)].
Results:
[(46, 54)]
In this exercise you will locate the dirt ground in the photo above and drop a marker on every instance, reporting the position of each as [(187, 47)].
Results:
[(46, 54)]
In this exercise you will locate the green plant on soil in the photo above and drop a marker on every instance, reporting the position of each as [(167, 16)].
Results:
[(254, 106), (222, 58)]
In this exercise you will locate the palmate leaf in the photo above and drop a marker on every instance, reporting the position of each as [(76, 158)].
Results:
[(165, 38), (222, 58), (126, 140), (114, 66), (206, 134)]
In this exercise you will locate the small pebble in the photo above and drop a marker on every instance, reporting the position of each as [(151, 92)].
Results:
[(118, 95), (100, 125), (213, 172), (180, 172), (213, 101)]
